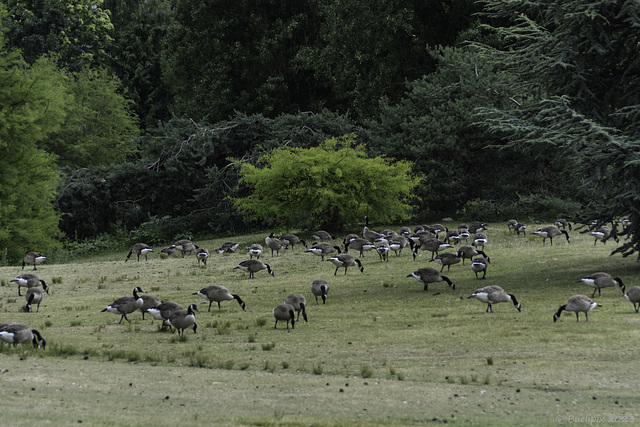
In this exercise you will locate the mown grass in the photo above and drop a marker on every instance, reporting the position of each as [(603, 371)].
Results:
[(381, 351)]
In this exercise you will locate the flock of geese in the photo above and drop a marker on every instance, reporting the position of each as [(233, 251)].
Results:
[(434, 239)]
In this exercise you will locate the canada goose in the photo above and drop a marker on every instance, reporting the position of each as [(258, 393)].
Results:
[(298, 302), (511, 225), (292, 239), (603, 233), (433, 245), (383, 248), (368, 234), (18, 333), (321, 249), (430, 275), (346, 261), (601, 280), (493, 295), (163, 310), (285, 312), (274, 244), (563, 223), (421, 236), (479, 264), (467, 251), (217, 293), (633, 295), (320, 288), (521, 228), (167, 252), (464, 234), (148, 302), (388, 234), (252, 266), (396, 244), (322, 235), (477, 227), (139, 249), (202, 254), (182, 319), (359, 244), (453, 236), (405, 231), (549, 232), (33, 258), (28, 280), (34, 296), (228, 248), (447, 259), (479, 240), (577, 304), (255, 250), (125, 305), (349, 237), (184, 246)]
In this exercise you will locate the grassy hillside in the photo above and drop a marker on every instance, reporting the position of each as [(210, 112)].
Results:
[(380, 351)]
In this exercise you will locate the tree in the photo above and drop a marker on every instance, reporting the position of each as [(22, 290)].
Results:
[(331, 186)]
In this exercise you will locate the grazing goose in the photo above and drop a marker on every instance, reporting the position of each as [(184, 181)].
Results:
[(298, 302), (167, 252), (321, 249), (28, 280), (320, 288), (511, 225), (285, 312), (359, 244), (34, 296), (346, 261), (292, 239), (125, 305), (479, 240), (217, 293), (18, 333), (577, 304), (468, 251), (602, 233), (601, 280), (348, 238), (633, 295), (479, 264), (322, 235), (453, 236), (549, 232), (476, 227), (433, 245), (252, 266), (274, 244), (563, 223), (148, 302), (183, 319), (255, 250), (405, 231), (447, 259), (228, 248), (493, 295), (139, 249), (521, 228), (368, 234), (430, 275), (464, 234), (383, 248), (398, 243), (33, 258), (184, 246), (202, 254), (163, 311)]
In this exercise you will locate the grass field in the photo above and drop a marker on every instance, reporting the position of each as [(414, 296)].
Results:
[(381, 351)]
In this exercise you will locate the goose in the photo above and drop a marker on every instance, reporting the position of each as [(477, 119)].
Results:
[(139, 249), (563, 223), (348, 238), (167, 252), (28, 280), (396, 244), (34, 296), (368, 234), (202, 254), (359, 244), (184, 246), (511, 225), (388, 233), (447, 259), (183, 319), (421, 236), (125, 305), (292, 239), (467, 251), (405, 231), (549, 232), (601, 280), (285, 312), (453, 236), (577, 304), (602, 233), (479, 264), (321, 249), (163, 310), (430, 275), (274, 244), (18, 333), (433, 245), (322, 235), (320, 288), (217, 293), (477, 227), (34, 258), (383, 248), (252, 266), (633, 295), (255, 250), (298, 302), (228, 248), (346, 261), (464, 234), (494, 295), (479, 240), (148, 302), (521, 228)]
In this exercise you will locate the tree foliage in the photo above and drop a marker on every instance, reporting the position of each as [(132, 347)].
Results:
[(331, 186)]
